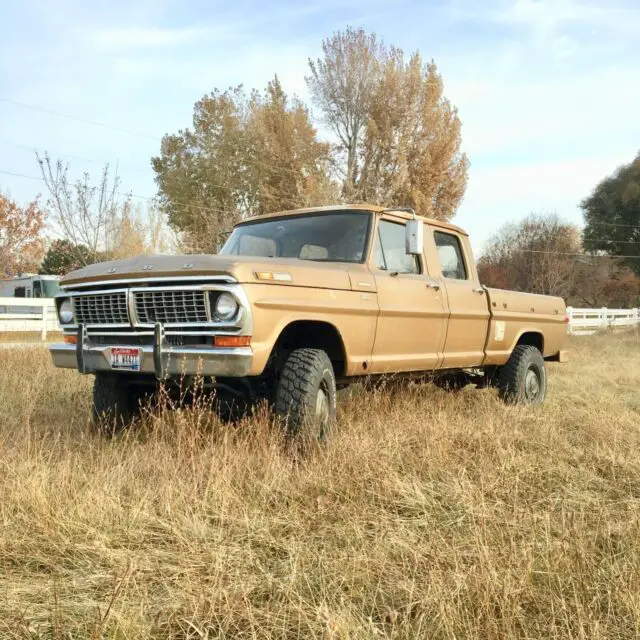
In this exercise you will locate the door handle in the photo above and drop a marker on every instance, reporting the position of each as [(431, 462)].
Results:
[(478, 290), (433, 285)]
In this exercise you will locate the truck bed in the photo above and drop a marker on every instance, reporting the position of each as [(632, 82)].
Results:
[(514, 313)]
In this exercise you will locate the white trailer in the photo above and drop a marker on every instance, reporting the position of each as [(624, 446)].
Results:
[(30, 286)]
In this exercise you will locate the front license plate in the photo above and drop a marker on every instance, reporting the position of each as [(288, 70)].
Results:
[(126, 358)]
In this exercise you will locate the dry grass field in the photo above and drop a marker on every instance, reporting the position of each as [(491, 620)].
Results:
[(21, 337), (428, 515)]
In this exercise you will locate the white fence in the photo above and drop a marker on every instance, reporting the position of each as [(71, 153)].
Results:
[(28, 314), (584, 322)]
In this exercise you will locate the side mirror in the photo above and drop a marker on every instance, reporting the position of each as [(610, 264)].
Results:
[(414, 237)]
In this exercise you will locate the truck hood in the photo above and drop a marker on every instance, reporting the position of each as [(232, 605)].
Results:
[(304, 273)]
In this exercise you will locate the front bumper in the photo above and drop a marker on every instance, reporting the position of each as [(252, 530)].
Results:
[(160, 359)]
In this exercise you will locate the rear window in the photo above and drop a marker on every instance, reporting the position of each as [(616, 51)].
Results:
[(450, 256)]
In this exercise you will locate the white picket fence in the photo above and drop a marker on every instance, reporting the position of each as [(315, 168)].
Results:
[(584, 322), (28, 314)]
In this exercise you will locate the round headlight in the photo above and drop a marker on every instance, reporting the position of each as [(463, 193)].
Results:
[(226, 307), (66, 312)]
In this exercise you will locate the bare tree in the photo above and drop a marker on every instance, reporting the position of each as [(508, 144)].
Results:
[(84, 212), (538, 255)]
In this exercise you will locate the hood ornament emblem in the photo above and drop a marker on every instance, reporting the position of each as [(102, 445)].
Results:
[(112, 270), (189, 265), (147, 267)]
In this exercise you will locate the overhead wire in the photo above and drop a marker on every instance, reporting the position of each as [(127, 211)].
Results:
[(129, 194), (104, 125), (576, 255), (221, 186), (68, 116)]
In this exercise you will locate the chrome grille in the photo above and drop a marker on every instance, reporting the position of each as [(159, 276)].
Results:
[(171, 307), (101, 308)]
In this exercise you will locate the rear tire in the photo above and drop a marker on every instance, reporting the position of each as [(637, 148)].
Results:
[(523, 380), (116, 402), (306, 395)]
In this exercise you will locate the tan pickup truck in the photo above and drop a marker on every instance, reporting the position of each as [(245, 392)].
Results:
[(300, 303)]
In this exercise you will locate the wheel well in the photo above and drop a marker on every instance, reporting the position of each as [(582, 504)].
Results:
[(310, 334), (532, 338)]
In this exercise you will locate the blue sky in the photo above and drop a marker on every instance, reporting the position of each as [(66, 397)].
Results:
[(548, 90)]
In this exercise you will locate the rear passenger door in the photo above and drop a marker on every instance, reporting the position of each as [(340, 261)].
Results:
[(466, 299), (411, 323)]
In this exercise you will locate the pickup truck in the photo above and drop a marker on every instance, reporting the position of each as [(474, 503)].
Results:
[(299, 304)]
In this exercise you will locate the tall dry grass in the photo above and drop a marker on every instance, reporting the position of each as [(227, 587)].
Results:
[(428, 515)]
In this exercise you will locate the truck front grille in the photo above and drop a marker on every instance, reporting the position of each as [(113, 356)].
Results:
[(102, 308), (171, 307)]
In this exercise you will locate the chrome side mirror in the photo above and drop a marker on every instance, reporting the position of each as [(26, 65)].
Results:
[(414, 237)]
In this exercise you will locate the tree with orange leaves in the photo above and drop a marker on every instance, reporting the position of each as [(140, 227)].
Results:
[(21, 246), (399, 137)]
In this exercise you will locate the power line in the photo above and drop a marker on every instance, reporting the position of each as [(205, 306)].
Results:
[(187, 205), (67, 155), (612, 224), (576, 255), (93, 160), (151, 137), (215, 210), (212, 209), (253, 162), (20, 175), (79, 119)]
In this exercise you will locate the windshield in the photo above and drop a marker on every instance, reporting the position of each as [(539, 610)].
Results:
[(327, 237)]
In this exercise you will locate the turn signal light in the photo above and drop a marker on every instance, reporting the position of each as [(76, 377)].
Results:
[(273, 275), (71, 339), (231, 341)]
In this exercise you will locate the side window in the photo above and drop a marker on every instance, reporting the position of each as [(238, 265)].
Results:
[(450, 256), (391, 255)]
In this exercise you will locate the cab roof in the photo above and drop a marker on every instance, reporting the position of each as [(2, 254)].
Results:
[(374, 208)]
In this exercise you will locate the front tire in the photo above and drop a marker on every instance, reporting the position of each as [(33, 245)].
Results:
[(523, 380), (306, 395), (116, 403)]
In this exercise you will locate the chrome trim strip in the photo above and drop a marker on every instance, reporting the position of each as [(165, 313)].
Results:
[(131, 304), (150, 333), (98, 292), (213, 279), (207, 305)]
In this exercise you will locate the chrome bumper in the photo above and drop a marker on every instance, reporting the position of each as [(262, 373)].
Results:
[(160, 359)]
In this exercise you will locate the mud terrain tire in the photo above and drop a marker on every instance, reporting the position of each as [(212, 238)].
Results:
[(116, 403), (306, 395), (523, 379)]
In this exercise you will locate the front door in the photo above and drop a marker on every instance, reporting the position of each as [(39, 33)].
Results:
[(410, 331)]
